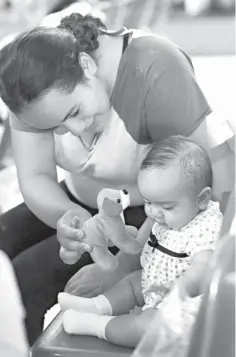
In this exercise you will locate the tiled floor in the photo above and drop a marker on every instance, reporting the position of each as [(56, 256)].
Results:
[(216, 77)]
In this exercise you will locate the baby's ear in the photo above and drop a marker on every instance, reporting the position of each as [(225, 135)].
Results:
[(204, 197), (111, 208)]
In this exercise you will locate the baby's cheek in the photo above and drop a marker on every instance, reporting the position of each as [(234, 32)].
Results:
[(61, 130), (147, 210), (170, 218)]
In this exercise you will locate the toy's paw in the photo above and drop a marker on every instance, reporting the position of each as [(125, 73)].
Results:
[(133, 231)]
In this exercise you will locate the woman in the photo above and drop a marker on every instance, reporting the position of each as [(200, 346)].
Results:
[(91, 102)]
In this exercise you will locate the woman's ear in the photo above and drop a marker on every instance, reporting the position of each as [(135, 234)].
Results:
[(204, 197), (88, 65)]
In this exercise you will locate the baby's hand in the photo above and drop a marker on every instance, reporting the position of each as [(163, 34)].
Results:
[(137, 310), (159, 290)]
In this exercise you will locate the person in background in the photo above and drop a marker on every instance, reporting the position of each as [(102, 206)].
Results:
[(13, 339)]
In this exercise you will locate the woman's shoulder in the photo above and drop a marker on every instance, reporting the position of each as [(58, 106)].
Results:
[(151, 47), (18, 125), (147, 54)]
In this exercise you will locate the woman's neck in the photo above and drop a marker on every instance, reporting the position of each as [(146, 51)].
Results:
[(109, 54)]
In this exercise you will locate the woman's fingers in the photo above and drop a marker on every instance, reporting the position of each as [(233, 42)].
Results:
[(70, 236), (68, 256), (86, 290), (70, 245), (92, 293), (77, 281), (66, 230), (76, 223)]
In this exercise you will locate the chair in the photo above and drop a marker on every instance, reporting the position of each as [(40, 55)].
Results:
[(214, 330), (54, 342)]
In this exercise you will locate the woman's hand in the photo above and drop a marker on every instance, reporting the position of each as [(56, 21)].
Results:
[(91, 281), (71, 237)]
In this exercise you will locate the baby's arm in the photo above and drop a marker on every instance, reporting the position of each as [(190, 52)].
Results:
[(190, 282)]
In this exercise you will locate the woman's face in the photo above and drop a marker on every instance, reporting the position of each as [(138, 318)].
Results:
[(86, 109)]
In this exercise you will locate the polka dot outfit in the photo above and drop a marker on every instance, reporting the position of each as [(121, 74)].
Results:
[(198, 235)]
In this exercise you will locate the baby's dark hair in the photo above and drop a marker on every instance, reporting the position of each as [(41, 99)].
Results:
[(44, 58), (192, 158)]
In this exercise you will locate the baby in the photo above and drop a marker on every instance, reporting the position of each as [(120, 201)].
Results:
[(175, 181)]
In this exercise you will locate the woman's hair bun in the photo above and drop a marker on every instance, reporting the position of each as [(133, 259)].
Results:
[(85, 29)]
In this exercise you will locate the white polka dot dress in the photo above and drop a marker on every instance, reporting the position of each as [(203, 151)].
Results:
[(198, 235)]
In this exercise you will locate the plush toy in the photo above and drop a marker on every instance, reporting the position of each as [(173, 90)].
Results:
[(108, 226)]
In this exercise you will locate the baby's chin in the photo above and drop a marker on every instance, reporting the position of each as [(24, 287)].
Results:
[(168, 226), (162, 224)]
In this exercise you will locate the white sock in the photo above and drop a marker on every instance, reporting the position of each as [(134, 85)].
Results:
[(103, 305), (99, 305), (83, 323)]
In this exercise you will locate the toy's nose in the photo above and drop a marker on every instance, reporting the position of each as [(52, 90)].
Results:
[(125, 192)]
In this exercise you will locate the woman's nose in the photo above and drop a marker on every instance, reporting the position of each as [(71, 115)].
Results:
[(75, 126)]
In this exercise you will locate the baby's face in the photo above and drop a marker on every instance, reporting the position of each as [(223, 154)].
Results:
[(170, 199)]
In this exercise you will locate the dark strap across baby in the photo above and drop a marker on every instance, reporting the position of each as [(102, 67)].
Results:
[(153, 242)]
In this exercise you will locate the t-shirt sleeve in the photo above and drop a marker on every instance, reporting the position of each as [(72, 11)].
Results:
[(204, 237), (17, 124), (174, 104)]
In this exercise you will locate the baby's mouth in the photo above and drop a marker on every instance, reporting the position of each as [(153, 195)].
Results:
[(90, 124), (161, 223)]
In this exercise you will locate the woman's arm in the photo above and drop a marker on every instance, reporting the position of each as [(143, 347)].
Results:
[(215, 138), (36, 168), (191, 282)]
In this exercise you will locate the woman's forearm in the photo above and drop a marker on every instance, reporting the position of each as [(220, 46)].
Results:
[(47, 200)]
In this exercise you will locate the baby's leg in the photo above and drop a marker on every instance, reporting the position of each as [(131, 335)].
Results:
[(125, 330), (125, 295), (120, 299)]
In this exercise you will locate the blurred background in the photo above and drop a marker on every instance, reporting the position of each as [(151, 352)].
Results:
[(205, 29)]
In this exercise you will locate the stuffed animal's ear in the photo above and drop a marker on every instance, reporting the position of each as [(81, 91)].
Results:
[(111, 208)]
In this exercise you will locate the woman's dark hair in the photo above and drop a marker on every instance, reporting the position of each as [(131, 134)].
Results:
[(45, 58), (61, 5)]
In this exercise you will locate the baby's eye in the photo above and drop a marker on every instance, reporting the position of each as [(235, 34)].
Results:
[(75, 113), (168, 208)]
